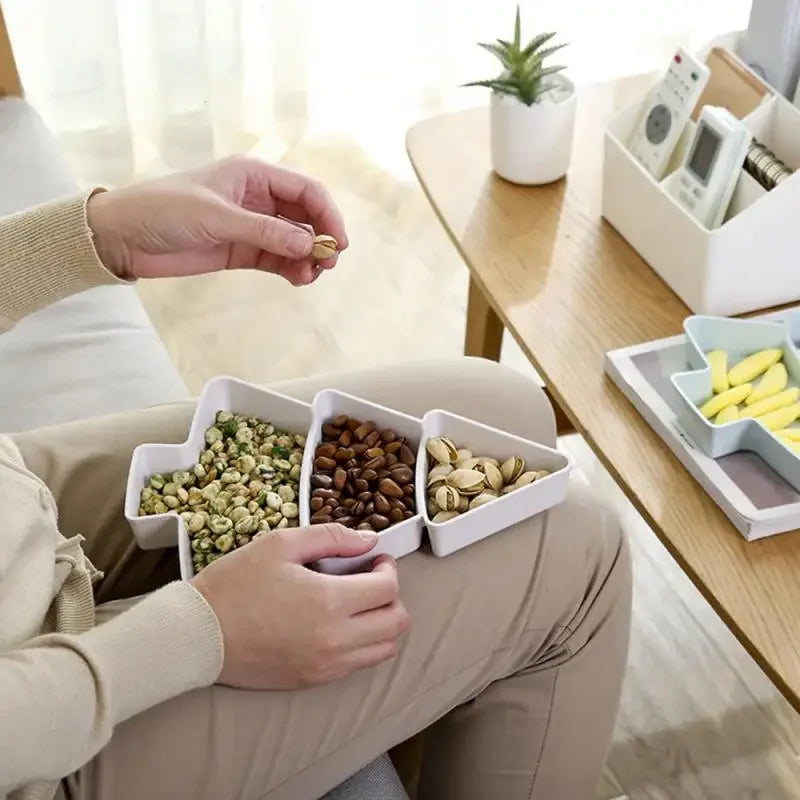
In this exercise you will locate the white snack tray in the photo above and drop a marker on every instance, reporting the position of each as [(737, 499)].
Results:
[(756, 499), (505, 511), (399, 539), (168, 530)]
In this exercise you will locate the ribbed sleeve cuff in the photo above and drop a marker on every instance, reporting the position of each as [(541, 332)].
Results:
[(46, 254), (167, 644)]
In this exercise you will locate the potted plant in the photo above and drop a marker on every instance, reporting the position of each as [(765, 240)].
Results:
[(532, 110)]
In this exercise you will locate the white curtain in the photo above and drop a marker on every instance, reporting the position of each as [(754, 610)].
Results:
[(137, 87)]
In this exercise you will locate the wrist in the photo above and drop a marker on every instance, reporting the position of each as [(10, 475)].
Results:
[(109, 243)]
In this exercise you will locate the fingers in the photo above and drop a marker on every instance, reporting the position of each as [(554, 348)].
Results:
[(370, 590), (325, 541), (271, 234), (381, 625), (371, 655), (267, 184)]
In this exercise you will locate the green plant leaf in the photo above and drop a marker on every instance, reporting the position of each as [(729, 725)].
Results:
[(498, 84), (550, 71), (517, 30), (536, 43), (505, 57), (541, 55)]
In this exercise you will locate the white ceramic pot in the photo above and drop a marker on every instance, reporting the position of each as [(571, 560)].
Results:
[(533, 144)]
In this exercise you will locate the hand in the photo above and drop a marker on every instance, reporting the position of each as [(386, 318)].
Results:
[(224, 216), (286, 627)]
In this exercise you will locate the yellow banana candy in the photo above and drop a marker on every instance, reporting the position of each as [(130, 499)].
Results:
[(751, 367), (792, 434), (730, 398), (775, 380), (780, 400), (728, 414), (718, 361), (781, 418)]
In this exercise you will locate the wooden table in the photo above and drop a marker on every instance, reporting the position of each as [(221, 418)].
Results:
[(545, 266), (9, 77)]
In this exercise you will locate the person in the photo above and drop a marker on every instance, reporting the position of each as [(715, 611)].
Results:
[(261, 678)]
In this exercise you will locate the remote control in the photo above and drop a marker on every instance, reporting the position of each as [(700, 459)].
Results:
[(705, 182), (666, 111)]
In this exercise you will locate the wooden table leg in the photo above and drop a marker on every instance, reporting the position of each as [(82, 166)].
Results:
[(563, 426), (9, 77), (484, 337)]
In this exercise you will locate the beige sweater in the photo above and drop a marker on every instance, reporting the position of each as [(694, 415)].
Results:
[(64, 683)]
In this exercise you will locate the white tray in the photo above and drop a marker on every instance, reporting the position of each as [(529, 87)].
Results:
[(399, 539), (752, 495), (504, 511), (164, 530), (168, 530)]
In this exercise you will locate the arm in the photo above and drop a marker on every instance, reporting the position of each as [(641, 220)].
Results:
[(61, 696), (46, 253)]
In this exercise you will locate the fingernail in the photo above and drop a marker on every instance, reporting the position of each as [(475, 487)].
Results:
[(299, 243), (367, 536)]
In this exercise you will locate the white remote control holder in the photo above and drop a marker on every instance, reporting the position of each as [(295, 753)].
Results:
[(666, 111), (705, 182)]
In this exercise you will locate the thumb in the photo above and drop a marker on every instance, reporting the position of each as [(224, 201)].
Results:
[(326, 541), (266, 233)]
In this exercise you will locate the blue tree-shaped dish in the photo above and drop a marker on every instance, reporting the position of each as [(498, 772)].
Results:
[(739, 338)]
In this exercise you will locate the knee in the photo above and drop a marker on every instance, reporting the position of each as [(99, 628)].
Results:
[(588, 541)]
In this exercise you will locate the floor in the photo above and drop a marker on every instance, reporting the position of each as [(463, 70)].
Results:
[(329, 88)]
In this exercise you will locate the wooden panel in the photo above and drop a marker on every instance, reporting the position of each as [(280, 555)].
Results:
[(9, 77), (569, 289)]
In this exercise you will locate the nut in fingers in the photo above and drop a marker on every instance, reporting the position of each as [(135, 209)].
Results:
[(324, 247)]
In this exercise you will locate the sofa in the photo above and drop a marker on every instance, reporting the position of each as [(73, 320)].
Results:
[(94, 353)]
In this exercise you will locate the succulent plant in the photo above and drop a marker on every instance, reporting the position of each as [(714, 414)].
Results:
[(524, 74)]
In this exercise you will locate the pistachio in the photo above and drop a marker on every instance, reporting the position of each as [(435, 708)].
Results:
[(441, 450), (463, 503), (468, 463), (324, 246), (481, 500), (526, 478), (440, 469), (447, 498), (462, 454), (467, 481), (444, 516), (494, 478), (512, 468), (435, 481)]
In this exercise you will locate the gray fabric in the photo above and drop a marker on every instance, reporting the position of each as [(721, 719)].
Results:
[(377, 781), (90, 354), (32, 169)]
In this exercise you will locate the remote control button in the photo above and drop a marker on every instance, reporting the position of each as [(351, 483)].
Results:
[(658, 123), (685, 182), (697, 193), (686, 200)]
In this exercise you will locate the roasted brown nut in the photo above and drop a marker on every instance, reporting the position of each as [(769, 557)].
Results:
[(326, 450), (393, 447), (381, 503), (340, 421), (330, 431), (346, 438), (389, 488), (321, 517), (378, 521), (324, 463), (406, 455), (320, 481), (316, 503), (364, 430), (340, 478)]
